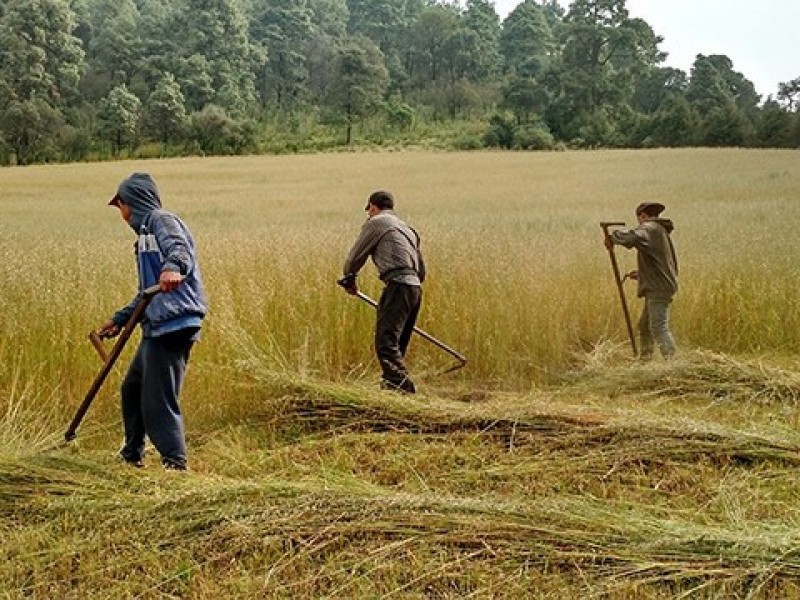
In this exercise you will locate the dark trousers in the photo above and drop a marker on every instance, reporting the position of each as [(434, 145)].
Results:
[(398, 308), (150, 394)]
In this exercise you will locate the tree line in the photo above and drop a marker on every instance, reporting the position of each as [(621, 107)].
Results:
[(90, 79)]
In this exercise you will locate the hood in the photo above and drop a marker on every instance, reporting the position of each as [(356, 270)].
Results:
[(140, 193), (666, 224)]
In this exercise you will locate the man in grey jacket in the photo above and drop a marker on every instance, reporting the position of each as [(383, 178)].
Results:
[(657, 275), (165, 255), (395, 250)]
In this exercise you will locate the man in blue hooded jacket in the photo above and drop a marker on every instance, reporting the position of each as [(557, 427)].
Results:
[(165, 254)]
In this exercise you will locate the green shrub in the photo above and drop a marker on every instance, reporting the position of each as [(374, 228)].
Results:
[(400, 115), (213, 131), (533, 137), (501, 131), (468, 142)]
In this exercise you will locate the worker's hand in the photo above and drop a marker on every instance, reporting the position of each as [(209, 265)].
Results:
[(348, 282), (108, 330), (609, 243), (633, 275), (169, 280)]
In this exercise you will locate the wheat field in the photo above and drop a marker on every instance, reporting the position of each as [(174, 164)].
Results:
[(551, 466), (519, 277)]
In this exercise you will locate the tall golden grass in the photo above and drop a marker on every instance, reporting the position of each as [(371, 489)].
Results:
[(519, 277), (551, 466)]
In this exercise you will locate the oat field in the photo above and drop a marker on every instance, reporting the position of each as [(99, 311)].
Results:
[(551, 466)]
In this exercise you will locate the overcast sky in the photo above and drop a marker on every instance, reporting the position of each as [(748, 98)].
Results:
[(759, 36)]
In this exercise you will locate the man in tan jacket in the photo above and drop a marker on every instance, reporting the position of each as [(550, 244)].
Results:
[(657, 275)]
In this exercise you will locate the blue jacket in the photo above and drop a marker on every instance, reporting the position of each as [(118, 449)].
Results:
[(164, 244)]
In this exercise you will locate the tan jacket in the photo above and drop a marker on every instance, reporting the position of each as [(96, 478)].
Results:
[(656, 260)]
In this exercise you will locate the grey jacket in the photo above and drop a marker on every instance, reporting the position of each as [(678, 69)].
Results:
[(656, 260), (394, 247)]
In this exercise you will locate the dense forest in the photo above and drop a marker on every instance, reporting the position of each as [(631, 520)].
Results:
[(93, 79)]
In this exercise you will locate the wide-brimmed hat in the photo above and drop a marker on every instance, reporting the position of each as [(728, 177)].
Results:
[(651, 209)]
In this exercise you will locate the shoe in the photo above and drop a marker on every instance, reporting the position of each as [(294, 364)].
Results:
[(405, 387), (138, 463), (171, 465)]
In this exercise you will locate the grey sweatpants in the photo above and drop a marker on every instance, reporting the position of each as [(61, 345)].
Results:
[(150, 394), (654, 326)]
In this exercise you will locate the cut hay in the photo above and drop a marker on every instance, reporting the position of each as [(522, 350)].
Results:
[(320, 539), (539, 424), (328, 490), (696, 374)]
